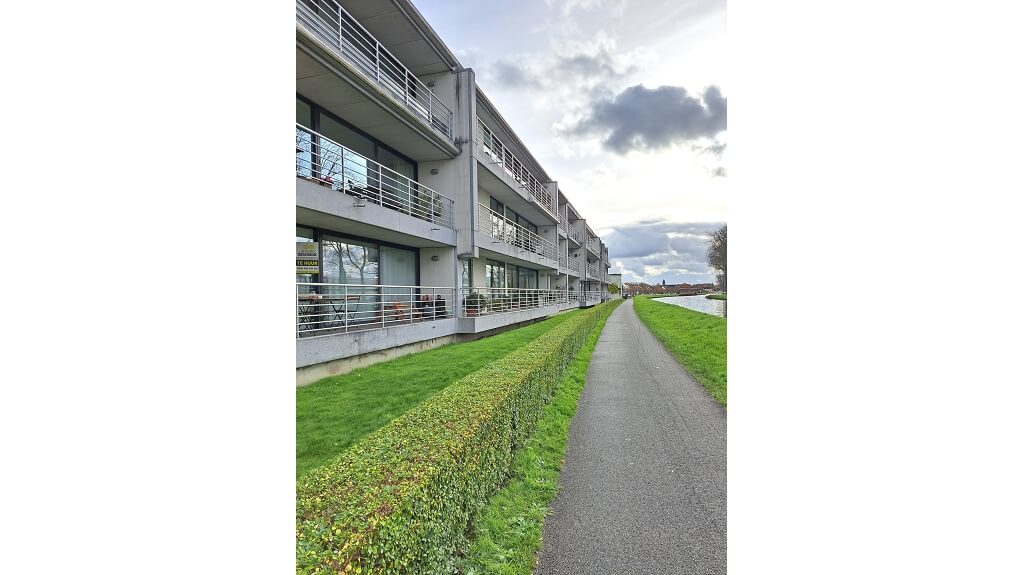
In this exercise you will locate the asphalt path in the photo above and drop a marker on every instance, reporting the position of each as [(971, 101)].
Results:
[(643, 484)]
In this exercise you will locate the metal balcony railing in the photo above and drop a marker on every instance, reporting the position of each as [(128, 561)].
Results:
[(573, 234), (514, 168), (338, 29), (489, 301), (592, 245), (592, 296), (591, 270), (563, 260), (329, 308), (328, 163), (503, 229)]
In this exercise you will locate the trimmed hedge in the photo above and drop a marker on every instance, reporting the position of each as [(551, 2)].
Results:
[(400, 500)]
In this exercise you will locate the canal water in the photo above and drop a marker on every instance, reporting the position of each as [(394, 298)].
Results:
[(697, 303)]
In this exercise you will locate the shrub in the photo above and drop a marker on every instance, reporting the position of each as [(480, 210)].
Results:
[(400, 500)]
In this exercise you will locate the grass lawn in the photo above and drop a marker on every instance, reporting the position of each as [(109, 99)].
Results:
[(720, 296), (506, 533), (696, 339), (335, 412)]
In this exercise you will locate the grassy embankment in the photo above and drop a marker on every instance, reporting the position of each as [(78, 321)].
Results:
[(720, 296), (697, 340), (506, 533), (337, 411)]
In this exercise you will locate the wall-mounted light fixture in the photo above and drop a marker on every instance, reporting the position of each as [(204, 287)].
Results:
[(433, 171), (434, 258)]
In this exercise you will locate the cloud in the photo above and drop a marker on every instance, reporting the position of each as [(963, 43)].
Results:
[(569, 6), (645, 119), (514, 75), (653, 250), (601, 65), (718, 172)]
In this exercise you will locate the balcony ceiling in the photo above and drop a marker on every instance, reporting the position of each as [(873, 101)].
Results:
[(398, 34), (337, 93), (309, 217)]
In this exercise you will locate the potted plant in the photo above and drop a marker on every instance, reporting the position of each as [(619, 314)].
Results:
[(474, 303)]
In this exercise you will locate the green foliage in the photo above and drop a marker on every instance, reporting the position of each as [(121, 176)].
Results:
[(697, 340), (400, 500), (720, 296), (507, 531), (337, 411)]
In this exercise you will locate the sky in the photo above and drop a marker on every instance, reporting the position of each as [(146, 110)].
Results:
[(623, 102)]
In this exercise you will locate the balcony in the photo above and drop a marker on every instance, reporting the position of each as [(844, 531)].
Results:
[(323, 309), (592, 270), (479, 302), (574, 234), (593, 245), (503, 229), (591, 297), (350, 42), (333, 166), (511, 166)]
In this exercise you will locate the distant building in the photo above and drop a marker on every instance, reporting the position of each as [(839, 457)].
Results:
[(616, 280)]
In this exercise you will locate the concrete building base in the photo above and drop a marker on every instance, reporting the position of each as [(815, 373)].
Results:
[(312, 373)]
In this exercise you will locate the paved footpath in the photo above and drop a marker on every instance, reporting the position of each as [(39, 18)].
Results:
[(643, 485)]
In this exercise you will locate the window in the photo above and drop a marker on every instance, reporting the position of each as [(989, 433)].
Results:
[(467, 273), (495, 274), (395, 187), (350, 262), (512, 272), (305, 235), (342, 166)]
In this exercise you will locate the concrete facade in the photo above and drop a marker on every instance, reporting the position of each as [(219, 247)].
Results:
[(374, 83)]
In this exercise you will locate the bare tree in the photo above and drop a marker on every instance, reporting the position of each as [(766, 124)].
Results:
[(716, 254)]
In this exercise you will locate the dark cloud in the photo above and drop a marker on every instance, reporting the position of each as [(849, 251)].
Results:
[(601, 65), (718, 172), (677, 250), (514, 75), (640, 118)]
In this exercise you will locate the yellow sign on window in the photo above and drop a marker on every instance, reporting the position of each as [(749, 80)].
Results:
[(307, 258)]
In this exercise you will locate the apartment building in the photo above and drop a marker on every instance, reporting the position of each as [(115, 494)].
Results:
[(421, 216)]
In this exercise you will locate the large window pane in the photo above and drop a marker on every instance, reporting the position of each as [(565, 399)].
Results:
[(344, 169), (398, 268), (303, 114), (349, 262), (395, 182), (495, 274)]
